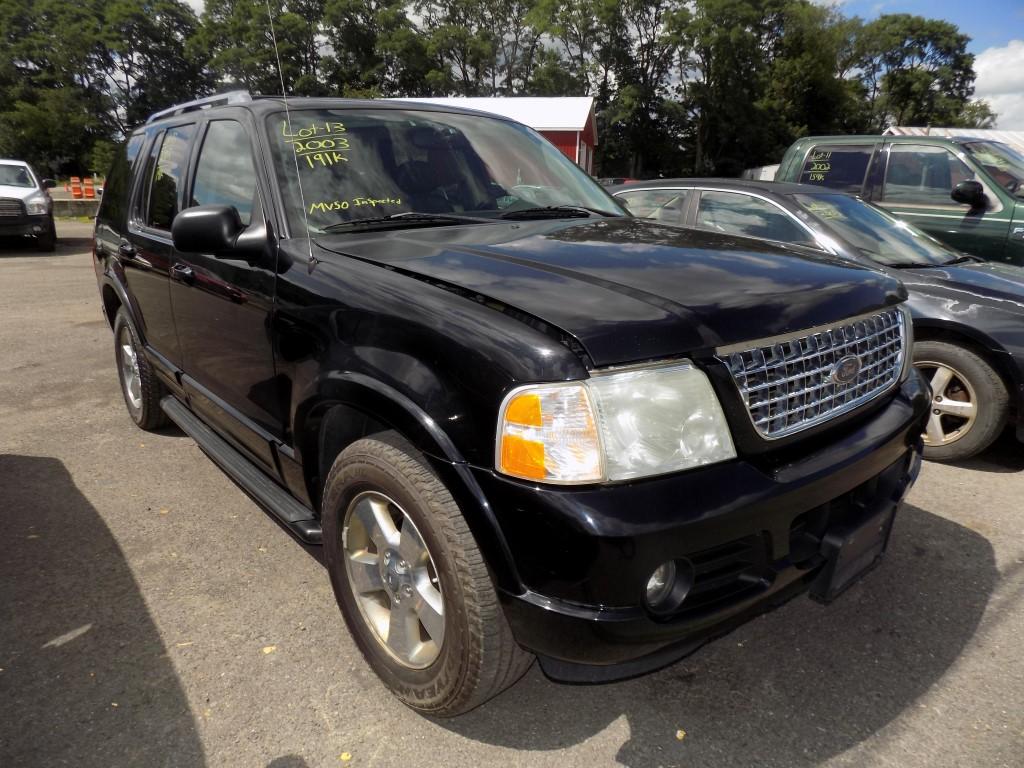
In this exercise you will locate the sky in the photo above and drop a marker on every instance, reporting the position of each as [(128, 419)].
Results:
[(996, 28)]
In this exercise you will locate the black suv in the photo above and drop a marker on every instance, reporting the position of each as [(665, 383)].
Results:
[(522, 422)]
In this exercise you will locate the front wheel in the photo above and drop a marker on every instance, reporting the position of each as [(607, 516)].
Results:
[(411, 582), (46, 242), (969, 401)]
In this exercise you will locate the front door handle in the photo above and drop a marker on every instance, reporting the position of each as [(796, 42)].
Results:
[(126, 250), (183, 272)]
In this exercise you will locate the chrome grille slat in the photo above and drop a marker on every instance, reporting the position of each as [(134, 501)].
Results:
[(10, 206), (787, 384)]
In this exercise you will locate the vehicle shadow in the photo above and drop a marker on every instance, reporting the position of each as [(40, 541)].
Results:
[(791, 688), (21, 247), (85, 679), (1005, 455)]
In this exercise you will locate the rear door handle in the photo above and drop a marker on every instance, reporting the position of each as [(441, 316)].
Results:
[(183, 272)]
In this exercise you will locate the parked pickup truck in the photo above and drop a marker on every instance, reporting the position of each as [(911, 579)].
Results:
[(966, 192), (522, 423)]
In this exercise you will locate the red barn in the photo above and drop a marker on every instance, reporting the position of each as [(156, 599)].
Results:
[(567, 122)]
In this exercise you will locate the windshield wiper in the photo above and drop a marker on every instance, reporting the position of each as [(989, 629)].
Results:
[(960, 260), (413, 218), (556, 212)]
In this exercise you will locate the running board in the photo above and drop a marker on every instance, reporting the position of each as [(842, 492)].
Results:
[(268, 494)]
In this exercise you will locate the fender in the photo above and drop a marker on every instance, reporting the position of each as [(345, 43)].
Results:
[(391, 407)]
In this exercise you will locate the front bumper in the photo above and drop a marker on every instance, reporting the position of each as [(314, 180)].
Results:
[(755, 537), (13, 226)]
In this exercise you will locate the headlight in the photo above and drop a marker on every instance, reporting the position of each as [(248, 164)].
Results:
[(618, 425), (36, 206)]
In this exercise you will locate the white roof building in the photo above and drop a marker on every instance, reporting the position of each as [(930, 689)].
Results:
[(1014, 138)]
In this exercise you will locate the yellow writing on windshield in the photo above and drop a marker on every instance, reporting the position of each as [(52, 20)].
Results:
[(356, 202), (320, 144)]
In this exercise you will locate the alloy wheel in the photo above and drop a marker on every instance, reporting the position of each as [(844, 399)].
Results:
[(954, 405), (130, 370), (393, 578)]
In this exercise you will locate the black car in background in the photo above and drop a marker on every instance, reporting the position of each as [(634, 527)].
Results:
[(968, 314)]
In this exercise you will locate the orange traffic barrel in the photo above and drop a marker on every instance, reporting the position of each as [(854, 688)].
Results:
[(89, 189), (76, 187)]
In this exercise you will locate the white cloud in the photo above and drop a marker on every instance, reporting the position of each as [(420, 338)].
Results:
[(1000, 82)]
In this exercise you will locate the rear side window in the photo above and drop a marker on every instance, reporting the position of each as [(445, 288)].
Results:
[(837, 167), (225, 174), (735, 213), (923, 174), (659, 204), (168, 172), (118, 183)]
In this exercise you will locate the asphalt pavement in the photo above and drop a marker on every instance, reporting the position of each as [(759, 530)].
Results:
[(152, 615)]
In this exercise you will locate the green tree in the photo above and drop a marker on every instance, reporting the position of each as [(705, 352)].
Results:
[(916, 71), (236, 38)]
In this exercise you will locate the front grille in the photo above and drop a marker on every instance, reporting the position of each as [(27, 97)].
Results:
[(9, 206), (792, 384)]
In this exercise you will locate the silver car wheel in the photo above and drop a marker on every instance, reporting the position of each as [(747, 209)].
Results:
[(393, 578), (954, 405), (130, 375)]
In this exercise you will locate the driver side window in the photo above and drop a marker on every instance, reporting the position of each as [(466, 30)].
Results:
[(225, 174), (924, 175)]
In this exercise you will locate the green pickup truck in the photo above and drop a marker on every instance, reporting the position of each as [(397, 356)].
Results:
[(967, 192)]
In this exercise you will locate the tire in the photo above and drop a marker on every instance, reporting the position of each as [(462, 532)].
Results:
[(47, 242), (972, 380), (143, 402), (477, 657)]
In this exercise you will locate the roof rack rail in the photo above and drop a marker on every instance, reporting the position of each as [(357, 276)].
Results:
[(231, 97)]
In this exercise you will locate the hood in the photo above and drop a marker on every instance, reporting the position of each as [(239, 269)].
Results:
[(19, 193), (631, 290), (977, 282)]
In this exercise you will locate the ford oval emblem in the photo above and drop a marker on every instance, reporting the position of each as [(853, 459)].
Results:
[(846, 370)]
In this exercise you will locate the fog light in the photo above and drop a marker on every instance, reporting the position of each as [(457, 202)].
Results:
[(659, 586)]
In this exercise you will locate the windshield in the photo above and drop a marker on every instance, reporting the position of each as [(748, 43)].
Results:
[(886, 240), (1003, 163), (363, 164), (15, 176)]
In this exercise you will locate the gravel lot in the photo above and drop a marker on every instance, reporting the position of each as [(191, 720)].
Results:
[(152, 615)]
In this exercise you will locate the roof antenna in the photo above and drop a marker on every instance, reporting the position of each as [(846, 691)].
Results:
[(288, 120)]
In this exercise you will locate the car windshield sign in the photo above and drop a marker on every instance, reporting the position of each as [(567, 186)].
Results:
[(15, 176), (346, 165), (1003, 163), (885, 240)]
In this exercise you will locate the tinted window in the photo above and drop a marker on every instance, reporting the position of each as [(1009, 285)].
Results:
[(923, 174), (735, 213), (225, 174), (837, 167), (167, 175), (118, 183), (659, 204)]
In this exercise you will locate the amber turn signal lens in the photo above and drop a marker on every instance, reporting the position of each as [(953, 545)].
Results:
[(522, 457), (548, 432)]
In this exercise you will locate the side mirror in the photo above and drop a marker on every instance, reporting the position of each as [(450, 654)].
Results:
[(217, 230), (49, 183), (969, 192)]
